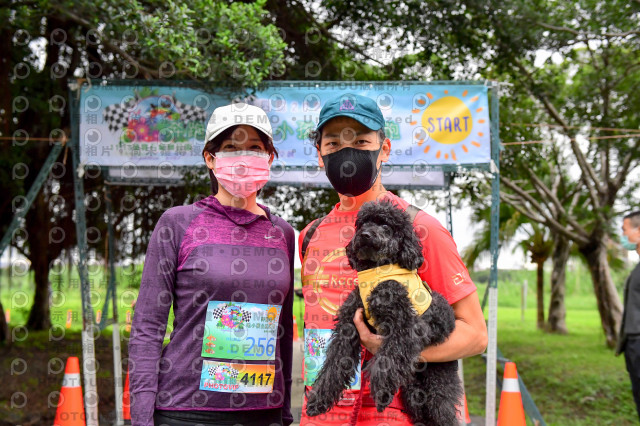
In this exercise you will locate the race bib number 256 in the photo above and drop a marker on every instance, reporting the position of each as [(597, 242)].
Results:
[(241, 331)]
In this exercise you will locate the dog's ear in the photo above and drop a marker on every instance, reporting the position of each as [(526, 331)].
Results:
[(411, 256), (411, 252), (351, 254)]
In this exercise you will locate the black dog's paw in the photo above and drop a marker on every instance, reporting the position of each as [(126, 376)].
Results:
[(315, 409), (382, 398), (316, 405)]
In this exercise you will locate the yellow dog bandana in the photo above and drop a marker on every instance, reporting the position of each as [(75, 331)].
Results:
[(419, 292)]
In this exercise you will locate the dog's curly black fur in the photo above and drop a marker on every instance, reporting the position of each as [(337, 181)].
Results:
[(430, 392)]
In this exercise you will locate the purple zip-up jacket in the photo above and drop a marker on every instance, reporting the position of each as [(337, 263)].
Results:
[(201, 252)]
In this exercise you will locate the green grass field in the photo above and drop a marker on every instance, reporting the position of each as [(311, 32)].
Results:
[(65, 297), (573, 379)]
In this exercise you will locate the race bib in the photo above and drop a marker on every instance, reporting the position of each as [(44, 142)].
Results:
[(240, 378), (241, 331), (316, 342)]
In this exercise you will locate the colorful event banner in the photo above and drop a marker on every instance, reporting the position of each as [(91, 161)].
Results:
[(157, 126)]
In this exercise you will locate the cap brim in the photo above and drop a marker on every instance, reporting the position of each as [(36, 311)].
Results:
[(365, 120), (219, 131)]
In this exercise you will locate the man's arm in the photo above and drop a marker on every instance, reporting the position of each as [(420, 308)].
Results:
[(444, 272), (467, 339)]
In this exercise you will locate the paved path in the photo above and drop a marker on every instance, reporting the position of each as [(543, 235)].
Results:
[(297, 387)]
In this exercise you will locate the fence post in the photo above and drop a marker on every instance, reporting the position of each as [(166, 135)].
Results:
[(523, 299)]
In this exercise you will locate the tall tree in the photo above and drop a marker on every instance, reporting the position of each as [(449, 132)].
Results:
[(596, 45), (556, 319), (538, 244), (605, 73), (211, 42)]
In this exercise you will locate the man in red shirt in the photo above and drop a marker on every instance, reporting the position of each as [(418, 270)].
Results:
[(352, 147)]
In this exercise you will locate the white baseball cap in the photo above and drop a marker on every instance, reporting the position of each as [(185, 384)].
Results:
[(236, 114)]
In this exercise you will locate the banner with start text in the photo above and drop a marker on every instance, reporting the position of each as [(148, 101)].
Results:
[(155, 126)]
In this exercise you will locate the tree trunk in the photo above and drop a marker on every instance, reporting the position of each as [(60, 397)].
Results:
[(39, 316), (39, 216), (540, 291), (4, 327), (5, 128), (609, 305), (5, 84), (557, 312), (9, 272)]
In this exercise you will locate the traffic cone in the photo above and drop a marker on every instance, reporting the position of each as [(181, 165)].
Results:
[(126, 403), (467, 419), (511, 412), (463, 408), (69, 318), (128, 326), (295, 330), (70, 410)]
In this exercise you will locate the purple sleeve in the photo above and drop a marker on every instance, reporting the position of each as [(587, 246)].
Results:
[(286, 343), (150, 319)]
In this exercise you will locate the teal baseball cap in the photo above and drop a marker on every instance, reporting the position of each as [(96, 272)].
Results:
[(361, 108)]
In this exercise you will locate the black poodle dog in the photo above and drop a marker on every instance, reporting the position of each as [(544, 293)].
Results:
[(385, 240)]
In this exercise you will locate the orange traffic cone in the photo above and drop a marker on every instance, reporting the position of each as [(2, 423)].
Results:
[(70, 410), (295, 330), (467, 419), (511, 412), (463, 409), (126, 404)]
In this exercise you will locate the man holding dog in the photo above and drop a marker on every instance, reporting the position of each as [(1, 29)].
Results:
[(351, 147)]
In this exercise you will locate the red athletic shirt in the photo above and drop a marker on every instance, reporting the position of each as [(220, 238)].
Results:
[(328, 279)]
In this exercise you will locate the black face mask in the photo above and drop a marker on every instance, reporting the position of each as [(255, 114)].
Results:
[(352, 171)]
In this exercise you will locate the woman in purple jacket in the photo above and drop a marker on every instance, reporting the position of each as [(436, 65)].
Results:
[(225, 263)]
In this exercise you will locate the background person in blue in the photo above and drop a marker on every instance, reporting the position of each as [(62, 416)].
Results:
[(629, 336)]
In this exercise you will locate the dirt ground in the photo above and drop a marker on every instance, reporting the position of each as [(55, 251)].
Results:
[(31, 375)]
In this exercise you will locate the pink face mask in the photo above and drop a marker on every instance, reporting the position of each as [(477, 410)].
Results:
[(243, 172)]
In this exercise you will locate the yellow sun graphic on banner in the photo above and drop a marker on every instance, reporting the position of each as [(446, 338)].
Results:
[(272, 313), (448, 120)]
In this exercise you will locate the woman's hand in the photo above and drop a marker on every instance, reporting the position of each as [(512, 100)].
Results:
[(369, 340)]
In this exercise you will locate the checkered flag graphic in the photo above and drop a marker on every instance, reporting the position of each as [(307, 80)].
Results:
[(322, 342), (246, 316), (117, 115), (232, 371), (190, 113), (217, 313)]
